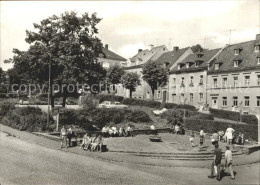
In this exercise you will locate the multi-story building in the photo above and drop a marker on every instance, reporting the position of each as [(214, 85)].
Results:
[(137, 62), (234, 78), (188, 79), (170, 60), (108, 58)]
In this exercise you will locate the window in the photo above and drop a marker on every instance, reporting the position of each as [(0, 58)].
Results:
[(187, 65), (236, 51), (235, 101), (182, 81), (216, 66), (215, 82), (258, 101), (257, 48), (179, 66), (201, 96), (258, 80), (197, 64), (191, 97), (174, 82), (167, 64), (236, 62), (224, 101), (173, 98), (201, 79), (235, 81), (159, 94), (247, 80), (224, 82), (191, 81), (246, 101), (258, 60)]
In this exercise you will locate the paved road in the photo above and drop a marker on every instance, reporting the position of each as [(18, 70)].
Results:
[(23, 162)]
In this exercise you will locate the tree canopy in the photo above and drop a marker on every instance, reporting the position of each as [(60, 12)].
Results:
[(130, 81), (70, 43), (197, 48), (155, 74)]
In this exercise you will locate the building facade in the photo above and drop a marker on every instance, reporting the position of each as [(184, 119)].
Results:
[(234, 78), (188, 80)]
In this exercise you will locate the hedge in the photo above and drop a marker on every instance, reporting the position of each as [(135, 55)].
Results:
[(5, 107), (249, 131), (143, 103), (101, 117), (27, 118), (3, 95), (108, 97), (231, 115), (188, 114)]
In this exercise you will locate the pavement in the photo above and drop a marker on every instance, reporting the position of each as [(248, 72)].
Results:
[(24, 162), (126, 157)]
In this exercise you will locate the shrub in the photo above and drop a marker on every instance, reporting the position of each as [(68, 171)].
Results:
[(231, 115), (169, 105), (202, 116), (249, 131), (89, 102), (143, 103), (3, 95), (27, 118), (5, 107), (108, 97)]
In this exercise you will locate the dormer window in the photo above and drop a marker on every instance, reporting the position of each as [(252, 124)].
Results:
[(187, 65), (216, 66), (197, 64), (167, 64), (257, 48), (236, 51), (179, 66), (236, 63)]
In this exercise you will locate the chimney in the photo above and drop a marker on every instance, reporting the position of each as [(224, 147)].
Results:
[(106, 46), (139, 50), (258, 37), (175, 48)]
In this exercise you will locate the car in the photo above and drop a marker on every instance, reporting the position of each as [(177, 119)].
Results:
[(109, 104)]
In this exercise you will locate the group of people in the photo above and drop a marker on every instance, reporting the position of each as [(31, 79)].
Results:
[(92, 143), (177, 129), (66, 135), (113, 131)]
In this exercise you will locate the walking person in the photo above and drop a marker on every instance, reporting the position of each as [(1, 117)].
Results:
[(69, 135), (216, 163), (63, 136), (228, 161)]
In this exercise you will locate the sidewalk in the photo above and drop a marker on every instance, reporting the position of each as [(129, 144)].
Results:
[(124, 157)]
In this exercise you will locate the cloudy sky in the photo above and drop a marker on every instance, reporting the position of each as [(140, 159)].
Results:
[(130, 25)]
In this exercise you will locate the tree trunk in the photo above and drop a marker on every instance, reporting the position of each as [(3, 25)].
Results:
[(130, 93), (64, 95), (152, 94), (51, 93)]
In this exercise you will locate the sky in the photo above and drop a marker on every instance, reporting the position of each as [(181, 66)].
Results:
[(127, 26)]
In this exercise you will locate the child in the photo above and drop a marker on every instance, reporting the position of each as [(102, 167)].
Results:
[(192, 139)]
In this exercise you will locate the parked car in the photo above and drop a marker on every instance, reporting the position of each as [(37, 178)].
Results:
[(109, 104)]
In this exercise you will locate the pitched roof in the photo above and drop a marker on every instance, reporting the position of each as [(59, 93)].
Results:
[(145, 55), (247, 55), (171, 56), (111, 55), (206, 56)]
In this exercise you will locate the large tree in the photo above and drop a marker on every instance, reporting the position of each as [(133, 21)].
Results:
[(130, 81), (114, 75), (69, 42), (2, 75), (155, 74)]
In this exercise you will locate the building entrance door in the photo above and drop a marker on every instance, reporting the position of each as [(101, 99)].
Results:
[(214, 102), (164, 96)]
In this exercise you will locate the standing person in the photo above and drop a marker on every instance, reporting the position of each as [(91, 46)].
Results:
[(69, 135), (202, 136), (214, 140), (63, 136), (229, 134), (216, 162), (192, 139), (153, 129), (228, 161)]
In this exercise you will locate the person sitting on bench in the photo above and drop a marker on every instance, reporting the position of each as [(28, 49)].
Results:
[(97, 143), (86, 142)]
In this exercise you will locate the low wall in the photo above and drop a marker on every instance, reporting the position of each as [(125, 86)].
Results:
[(250, 149)]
